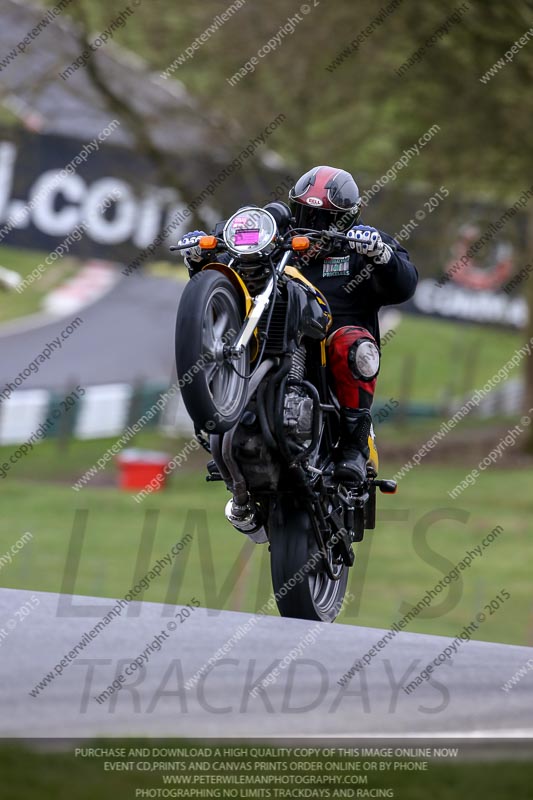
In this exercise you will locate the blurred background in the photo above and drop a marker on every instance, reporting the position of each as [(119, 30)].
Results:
[(122, 127)]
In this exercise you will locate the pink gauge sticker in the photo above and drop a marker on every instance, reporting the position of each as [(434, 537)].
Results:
[(246, 237)]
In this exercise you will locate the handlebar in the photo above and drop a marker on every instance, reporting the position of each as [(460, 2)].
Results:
[(311, 233), (286, 240)]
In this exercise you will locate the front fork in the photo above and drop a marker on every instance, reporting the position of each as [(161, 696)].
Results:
[(259, 304)]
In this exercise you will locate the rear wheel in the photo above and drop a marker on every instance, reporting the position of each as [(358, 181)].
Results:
[(302, 587), (210, 316)]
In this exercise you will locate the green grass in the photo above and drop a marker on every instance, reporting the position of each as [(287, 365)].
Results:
[(406, 558), (395, 565), (447, 359), (55, 460), (176, 269), (15, 304), (30, 775)]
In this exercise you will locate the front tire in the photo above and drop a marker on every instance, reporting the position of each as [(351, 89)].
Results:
[(302, 590), (212, 387)]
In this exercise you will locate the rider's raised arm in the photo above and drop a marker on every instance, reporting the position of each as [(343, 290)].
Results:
[(395, 282)]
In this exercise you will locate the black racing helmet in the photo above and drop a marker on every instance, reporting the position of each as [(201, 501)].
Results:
[(325, 197)]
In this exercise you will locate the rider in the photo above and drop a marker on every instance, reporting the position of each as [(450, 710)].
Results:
[(373, 270)]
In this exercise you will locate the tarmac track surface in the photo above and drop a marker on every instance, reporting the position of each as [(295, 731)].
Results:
[(464, 698)]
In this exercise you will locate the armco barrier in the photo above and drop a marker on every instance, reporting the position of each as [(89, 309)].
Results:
[(103, 411)]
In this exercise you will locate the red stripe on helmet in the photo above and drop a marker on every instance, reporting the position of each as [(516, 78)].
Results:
[(323, 176)]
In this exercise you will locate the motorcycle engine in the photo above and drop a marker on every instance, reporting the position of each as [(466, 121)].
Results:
[(253, 456), (298, 415)]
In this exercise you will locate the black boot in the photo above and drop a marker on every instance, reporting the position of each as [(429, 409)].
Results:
[(354, 433)]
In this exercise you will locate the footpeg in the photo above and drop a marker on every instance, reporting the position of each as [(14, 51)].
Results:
[(213, 473), (386, 487), (245, 519)]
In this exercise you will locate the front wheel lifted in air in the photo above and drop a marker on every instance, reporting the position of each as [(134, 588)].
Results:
[(213, 383)]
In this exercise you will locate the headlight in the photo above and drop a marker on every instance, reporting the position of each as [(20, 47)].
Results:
[(250, 231)]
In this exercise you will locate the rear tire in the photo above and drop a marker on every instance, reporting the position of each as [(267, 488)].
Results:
[(301, 590), (213, 391)]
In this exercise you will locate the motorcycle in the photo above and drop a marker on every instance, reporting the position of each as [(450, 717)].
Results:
[(251, 359)]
